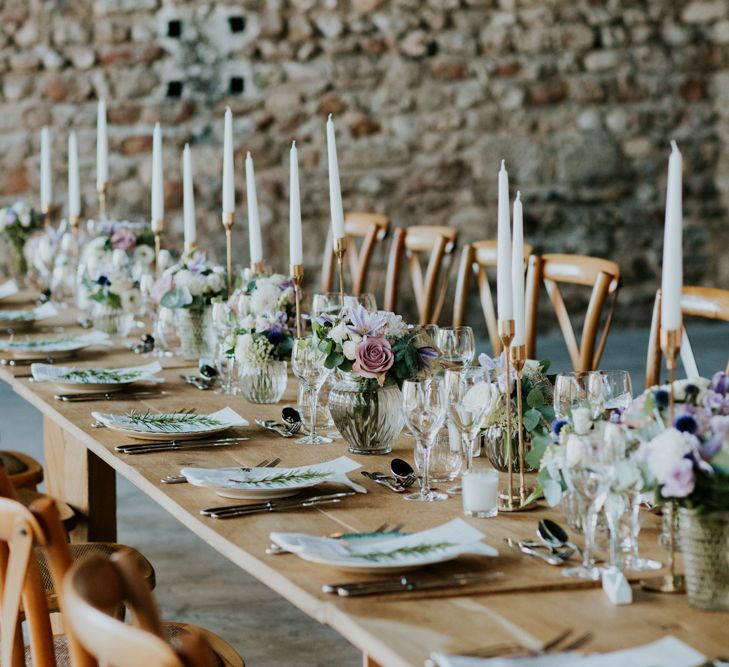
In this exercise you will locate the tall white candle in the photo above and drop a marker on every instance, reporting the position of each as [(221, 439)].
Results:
[(46, 194), (228, 170), (672, 279), (254, 224), (335, 189), (188, 200), (517, 273), (158, 199), (102, 147), (503, 246), (74, 195), (296, 252)]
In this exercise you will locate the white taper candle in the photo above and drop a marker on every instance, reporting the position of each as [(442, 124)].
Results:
[(254, 224), (228, 165), (158, 203), (517, 273), (296, 252), (188, 200), (672, 278), (74, 195), (46, 193), (335, 189), (102, 147), (503, 260)]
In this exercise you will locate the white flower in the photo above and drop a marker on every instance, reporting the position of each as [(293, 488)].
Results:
[(665, 451), (581, 420), (215, 282), (574, 451), (243, 305), (349, 349), (265, 298), (482, 393), (197, 284), (286, 298), (339, 333), (183, 278), (679, 388), (144, 254), (394, 324), (247, 322), (243, 344), (614, 437)]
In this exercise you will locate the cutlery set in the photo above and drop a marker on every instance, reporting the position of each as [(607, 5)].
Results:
[(175, 445), (108, 396), (408, 584), (563, 642), (18, 361), (230, 511)]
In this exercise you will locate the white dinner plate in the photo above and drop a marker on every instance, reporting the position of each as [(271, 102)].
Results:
[(58, 347), (84, 380)]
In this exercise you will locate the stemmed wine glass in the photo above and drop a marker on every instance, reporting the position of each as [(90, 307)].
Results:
[(424, 407), (457, 347), (307, 362), (366, 299), (223, 325), (468, 393), (570, 392), (609, 390), (330, 303)]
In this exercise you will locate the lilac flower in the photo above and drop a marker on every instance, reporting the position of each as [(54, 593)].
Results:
[(10, 217), (108, 227), (197, 263), (720, 383), (495, 366), (711, 447), (324, 320), (365, 323), (427, 356), (680, 481)]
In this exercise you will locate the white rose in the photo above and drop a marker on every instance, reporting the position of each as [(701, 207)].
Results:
[(242, 347), (183, 278), (197, 284), (581, 420), (349, 348), (247, 322), (479, 395), (665, 451), (264, 299), (215, 282), (574, 451), (339, 333), (144, 254), (614, 437)]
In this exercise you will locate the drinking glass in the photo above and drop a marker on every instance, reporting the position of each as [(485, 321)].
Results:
[(446, 455), (570, 392), (223, 324), (326, 302), (609, 390), (424, 407), (457, 347), (365, 299), (591, 477), (166, 333), (632, 560), (307, 363), (467, 406)]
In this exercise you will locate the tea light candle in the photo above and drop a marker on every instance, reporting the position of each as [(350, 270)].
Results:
[(480, 490)]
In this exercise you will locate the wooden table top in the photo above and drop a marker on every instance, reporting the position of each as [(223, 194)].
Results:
[(528, 603)]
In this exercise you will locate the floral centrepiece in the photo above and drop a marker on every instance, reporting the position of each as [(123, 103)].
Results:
[(136, 239), (17, 223)]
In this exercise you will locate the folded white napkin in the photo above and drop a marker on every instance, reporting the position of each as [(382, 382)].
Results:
[(8, 288), (57, 343), (51, 373), (226, 417), (30, 314), (666, 652), (220, 477)]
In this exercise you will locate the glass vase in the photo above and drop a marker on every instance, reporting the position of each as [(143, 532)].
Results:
[(368, 417), (112, 321), (197, 335), (263, 384), (495, 447), (704, 542)]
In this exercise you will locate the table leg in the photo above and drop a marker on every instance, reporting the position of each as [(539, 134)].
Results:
[(369, 662), (79, 477)]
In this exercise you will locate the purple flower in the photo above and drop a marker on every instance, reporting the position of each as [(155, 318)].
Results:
[(365, 323), (324, 320), (108, 227), (711, 447), (680, 481), (197, 262), (124, 239), (720, 383), (10, 217), (427, 356), (373, 358), (686, 424)]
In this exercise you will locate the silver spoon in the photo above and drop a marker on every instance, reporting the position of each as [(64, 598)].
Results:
[(403, 472), (554, 536)]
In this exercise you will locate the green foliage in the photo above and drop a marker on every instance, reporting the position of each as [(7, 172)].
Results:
[(535, 454), (170, 421), (287, 478), (177, 298), (535, 398), (532, 418), (417, 550)]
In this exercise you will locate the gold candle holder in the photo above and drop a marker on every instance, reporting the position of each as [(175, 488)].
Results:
[(296, 271), (671, 582), (228, 222), (340, 249), (75, 223), (258, 268), (518, 359), (157, 229), (190, 247), (101, 190), (506, 334), (46, 214)]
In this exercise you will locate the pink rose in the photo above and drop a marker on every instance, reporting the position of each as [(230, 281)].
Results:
[(124, 239), (373, 358)]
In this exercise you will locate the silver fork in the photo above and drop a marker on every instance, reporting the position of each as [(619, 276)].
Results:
[(181, 479)]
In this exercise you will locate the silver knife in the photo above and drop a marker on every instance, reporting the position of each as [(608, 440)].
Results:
[(270, 505), (275, 508), (106, 396), (174, 446), (405, 584), (17, 361)]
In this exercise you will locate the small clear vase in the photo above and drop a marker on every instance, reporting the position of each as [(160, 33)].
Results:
[(197, 334), (705, 545), (112, 321), (497, 451), (368, 417), (263, 384)]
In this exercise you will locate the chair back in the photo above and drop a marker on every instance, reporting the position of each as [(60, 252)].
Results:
[(704, 302), (602, 275), (367, 229), (476, 259), (439, 243), (94, 588)]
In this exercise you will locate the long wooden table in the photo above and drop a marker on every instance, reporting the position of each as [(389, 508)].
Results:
[(528, 604)]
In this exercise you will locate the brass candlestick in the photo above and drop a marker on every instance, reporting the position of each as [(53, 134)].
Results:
[(228, 222), (46, 214), (101, 189), (157, 229), (506, 334), (258, 268), (296, 271), (340, 249), (518, 359), (75, 223), (671, 582), (190, 247)]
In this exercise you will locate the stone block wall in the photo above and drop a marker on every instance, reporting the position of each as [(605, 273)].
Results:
[(580, 97)]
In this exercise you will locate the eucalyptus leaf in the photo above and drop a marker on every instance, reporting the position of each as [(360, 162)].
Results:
[(333, 360), (535, 454), (552, 492), (177, 298), (535, 399), (532, 418), (547, 412)]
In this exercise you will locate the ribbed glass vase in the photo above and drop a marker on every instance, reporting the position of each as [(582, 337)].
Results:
[(112, 321), (496, 448), (197, 335), (263, 384)]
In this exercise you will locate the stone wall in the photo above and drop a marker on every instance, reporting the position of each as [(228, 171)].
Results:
[(581, 97)]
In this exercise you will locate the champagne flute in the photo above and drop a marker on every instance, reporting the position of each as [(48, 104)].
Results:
[(307, 363), (457, 347), (424, 407), (223, 324)]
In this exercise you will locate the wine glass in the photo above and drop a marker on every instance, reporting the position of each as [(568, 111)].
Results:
[(223, 324), (609, 390), (307, 362), (569, 393), (468, 394), (457, 347), (166, 333), (424, 407), (329, 303), (365, 299)]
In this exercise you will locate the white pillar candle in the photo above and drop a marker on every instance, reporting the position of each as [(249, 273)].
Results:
[(46, 194), (158, 203), (228, 170), (74, 194), (188, 200), (254, 224), (503, 260), (672, 278), (517, 273), (335, 189), (296, 252), (102, 147), (480, 490)]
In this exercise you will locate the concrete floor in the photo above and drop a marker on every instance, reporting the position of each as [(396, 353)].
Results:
[(212, 592)]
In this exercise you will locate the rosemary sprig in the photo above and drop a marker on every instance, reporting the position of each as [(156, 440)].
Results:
[(38, 344), (170, 421), (286, 478), (100, 375), (417, 550)]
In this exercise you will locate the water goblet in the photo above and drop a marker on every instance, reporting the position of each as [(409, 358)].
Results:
[(365, 299), (307, 363), (329, 303), (424, 407), (570, 392), (457, 347), (609, 391)]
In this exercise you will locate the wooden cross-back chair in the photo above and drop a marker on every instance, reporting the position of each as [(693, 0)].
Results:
[(430, 288), (602, 275), (476, 259), (92, 590), (704, 302), (367, 229)]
